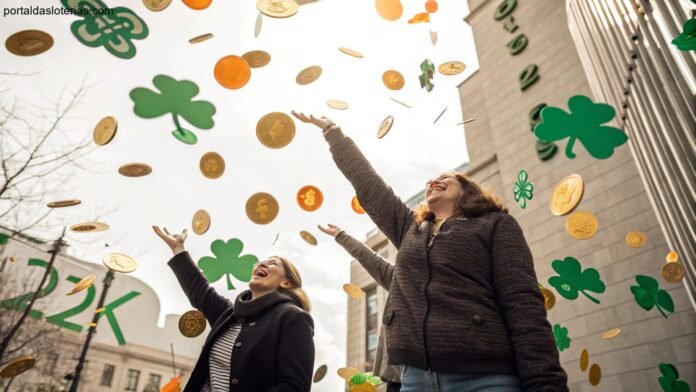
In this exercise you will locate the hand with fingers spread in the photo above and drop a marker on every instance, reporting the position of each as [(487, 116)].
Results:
[(332, 230), (323, 122), (175, 242)]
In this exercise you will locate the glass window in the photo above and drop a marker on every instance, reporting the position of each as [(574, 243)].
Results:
[(132, 382), (107, 375), (155, 380), (372, 329)]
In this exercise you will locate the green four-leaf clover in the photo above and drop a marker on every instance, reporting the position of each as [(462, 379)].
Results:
[(669, 381), (687, 39), (648, 294), (572, 279), (560, 334), (523, 190), (227, 261)]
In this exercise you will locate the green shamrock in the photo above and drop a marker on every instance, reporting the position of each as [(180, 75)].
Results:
[(115, 31), (362, 378), (687, 39), (175, 98), (4, 238), (561, 336), (227, 261), (670, 379), (523, 190), (427, 72), (649, 294), (572, 279), (585, 123)]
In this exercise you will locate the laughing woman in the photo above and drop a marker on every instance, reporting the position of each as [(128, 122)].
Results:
[(261, 342)]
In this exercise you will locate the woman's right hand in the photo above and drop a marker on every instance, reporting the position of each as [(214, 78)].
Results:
[(175, 242), (332, 230)]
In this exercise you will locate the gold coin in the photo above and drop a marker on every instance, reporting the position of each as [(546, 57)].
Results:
[(673, 272), (119, 262), (257, 58), (401, 103), (156, 5), (595, 374), (337, 104), (308, 75), (581, 225), (320, 373), (99, 310), (351, 52), (393, 80), (63, 203), (17, 366), (451, 67), (192, 323), (635, 239), (92, 325), (364, 387), (29, 43), (277, 8), (385, 126), (262, 208), (347, 373), (309, 198), (672, 257), (201, 38), (275, 130), (212, 165), (201, 222), (353, 290), (84, 283), (308, 237), (89, 227), (549, 298), (612, 333), (257, 27), (135, 169), (105, 130), (584, 359), (567, 195)]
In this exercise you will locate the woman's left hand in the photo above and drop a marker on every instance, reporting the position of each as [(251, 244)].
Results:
[(322, 122)]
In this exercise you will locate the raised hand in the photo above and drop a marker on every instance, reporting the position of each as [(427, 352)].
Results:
[(175, 242), (323, 122), (332, 230)]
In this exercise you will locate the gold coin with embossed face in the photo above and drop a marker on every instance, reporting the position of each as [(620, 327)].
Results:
[(119, 262), (567, 194), (201, 222), (29, 43), (275, 130), (262, 208), (308, 75), (635, 239), (308, 237), (156, 5), (135, 170), (673, 272), (277, 8), (89, 227), (83, 284), (353, 290), (347, 373), (385, 126), (451, 68), (612, 333), (105, 131), (212, 165), (63, 203), (393, 80), (17, 366), (581, 225), (257, 58), (192, 323)]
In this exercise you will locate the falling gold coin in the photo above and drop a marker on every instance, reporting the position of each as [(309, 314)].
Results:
[(212, 165), (673, 272), (192, 323), (612, 333), (83, 284), (201, 38), (549, 298), (105, 131), (262, 208), (308, 237), (257, 58), (29, 43), (135, 170), (17, 366), (275, 130), (581, 225), (320, 373), (353, 290), (567, 195), (672, 257), (119, 262), (635, 239), (308, 75), (156, 5), (351, 52), (584, 359), (595, 374), (393, 80), (63, 203), (385, 126), (347, 373), (355, 205), (99, 310), (309, 198), (401, 103), (277, 8), (201, 222), (259, 23), (451, 68), (92, 325), (337, 104), (89, 227)]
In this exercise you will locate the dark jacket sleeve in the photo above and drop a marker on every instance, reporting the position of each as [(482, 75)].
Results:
[(296, 354), (522, 304), (386, 210), (379, 269), (200, 293)]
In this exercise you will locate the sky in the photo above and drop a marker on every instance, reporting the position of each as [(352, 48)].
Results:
[(414, 150)]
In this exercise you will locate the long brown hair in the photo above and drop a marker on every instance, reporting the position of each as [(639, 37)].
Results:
[(297, 294), (474, 202)]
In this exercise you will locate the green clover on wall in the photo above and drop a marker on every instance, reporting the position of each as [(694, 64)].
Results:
[(669, 381), (573, 280), (584, 123), (560, 334), (523, 190), (648, 295), (227, 261), (175, 97), (687, 39)]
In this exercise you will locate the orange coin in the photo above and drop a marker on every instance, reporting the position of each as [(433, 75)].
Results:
[(356, 206), (309, 198), (393, 80), (422, 17), (431, 6), (197, 4), (390, 10), (232, 72)]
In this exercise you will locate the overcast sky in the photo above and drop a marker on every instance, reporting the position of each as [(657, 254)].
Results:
[(412, 152)]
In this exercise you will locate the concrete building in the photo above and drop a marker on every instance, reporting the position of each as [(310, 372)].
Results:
[(546, 51)]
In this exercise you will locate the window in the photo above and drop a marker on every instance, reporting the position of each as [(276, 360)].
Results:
[(154, 380), (372, 328), (107, 375), (132, 383)]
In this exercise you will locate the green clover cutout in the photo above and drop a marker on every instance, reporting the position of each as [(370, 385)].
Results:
[(648, 294), (584, 123), (670, 379), (572, 279), (427, 72), (227, 261), (115, 31), (560, 334), (175, 97), (4, 238), (523, 190), (687, 39), (362, 378)]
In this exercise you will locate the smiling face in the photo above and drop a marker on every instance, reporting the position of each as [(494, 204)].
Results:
[(443, 193), (268, 276)]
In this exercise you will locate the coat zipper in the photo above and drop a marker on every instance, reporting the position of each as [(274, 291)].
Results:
[(427, 299)]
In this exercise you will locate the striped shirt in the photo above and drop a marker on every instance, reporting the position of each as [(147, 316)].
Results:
[(220, 359)]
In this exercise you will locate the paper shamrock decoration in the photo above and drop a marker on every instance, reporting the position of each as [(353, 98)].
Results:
[(545, 150), (687, 39), (523, 190), (4, 238), (572, 279), (669, 381), (427, 73), (648, 294), (175, 97), (114, 31), (584, 123), (228, 261), (561, 336)]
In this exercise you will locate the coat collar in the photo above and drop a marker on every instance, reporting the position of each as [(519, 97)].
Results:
[(245, 307)]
